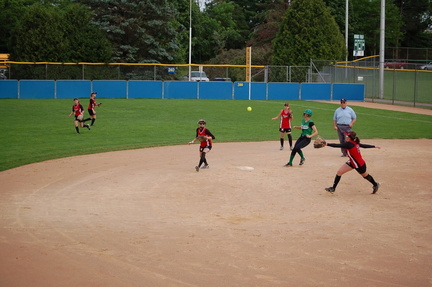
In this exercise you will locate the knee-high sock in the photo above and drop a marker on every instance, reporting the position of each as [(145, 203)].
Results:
[(93, 120), (77, 129), (290, 139), (336, 181), (202, 159), (301, 154), (370, 179), (292, 157), (282, 141)]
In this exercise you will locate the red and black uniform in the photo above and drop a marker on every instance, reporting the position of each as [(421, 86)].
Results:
[(205, 146), (91, 106), (285, 121), (203, 131), (352, 149), (355, 161), (78, 110)]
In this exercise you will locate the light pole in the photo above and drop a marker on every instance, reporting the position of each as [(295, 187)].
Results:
[(190, 39), (382, 46), (346, 29)]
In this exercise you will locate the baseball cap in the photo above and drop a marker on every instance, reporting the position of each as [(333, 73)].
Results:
[(75, 99), (343, 100)]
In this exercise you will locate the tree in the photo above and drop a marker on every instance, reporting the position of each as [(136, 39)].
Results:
[(140, 31), (364, 18), (308, 31), (40, 36), (56, 32), (268, 22), (86, 43), (234, 30), (416, 15)]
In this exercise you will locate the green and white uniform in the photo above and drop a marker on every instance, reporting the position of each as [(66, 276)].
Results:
[(306, 127)]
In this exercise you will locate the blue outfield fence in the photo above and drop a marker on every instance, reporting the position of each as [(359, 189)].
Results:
[(69, 89)]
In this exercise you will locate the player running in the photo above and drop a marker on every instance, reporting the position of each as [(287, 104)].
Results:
[(352, 147), (308, 130), (78, 111), (205, 146), (91, 108), (285, 115)]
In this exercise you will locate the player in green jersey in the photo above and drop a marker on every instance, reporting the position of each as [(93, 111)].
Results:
[(308, 130)]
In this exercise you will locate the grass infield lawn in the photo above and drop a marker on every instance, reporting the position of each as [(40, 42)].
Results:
[(38, 130)]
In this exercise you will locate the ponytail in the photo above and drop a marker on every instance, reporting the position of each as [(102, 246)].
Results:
[(353, 137)]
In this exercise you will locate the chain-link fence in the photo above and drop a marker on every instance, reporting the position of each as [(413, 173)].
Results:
[(403, 86), (152, 72)]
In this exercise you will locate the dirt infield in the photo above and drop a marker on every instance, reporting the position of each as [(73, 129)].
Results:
[(147, 218)]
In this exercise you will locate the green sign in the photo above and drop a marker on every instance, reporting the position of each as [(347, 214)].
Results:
[(359, 45)]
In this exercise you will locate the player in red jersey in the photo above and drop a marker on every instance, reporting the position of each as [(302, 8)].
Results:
[(78, 111), (352, 147), (285, 115), (91, 108), (205, 146)]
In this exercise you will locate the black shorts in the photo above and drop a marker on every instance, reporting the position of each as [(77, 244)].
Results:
[(285, 130), (360, 169), (91, 112), (202, 148)]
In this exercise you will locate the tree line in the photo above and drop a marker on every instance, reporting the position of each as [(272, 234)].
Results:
[(281, 32)]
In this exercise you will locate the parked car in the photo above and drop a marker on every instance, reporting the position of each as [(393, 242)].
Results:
[(426, 67), (198, 76), (222, 79), (395, 65)]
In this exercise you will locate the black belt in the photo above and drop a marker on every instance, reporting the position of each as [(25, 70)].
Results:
[(342, 125)]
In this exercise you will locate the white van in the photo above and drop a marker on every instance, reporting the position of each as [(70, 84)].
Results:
[(198, 76)]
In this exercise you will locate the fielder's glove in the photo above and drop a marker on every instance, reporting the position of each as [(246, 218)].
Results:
[(319, 142), (201, 138)]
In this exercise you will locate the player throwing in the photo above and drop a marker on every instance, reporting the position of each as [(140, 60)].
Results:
[(352, 147), (285, 116), (205, 145)]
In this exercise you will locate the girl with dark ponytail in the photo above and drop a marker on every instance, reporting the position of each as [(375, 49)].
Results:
[(352, 147)]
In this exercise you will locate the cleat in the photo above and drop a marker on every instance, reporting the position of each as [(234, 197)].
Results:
[(205, 166), (330, 189), (88, 127), (375, 188), (291, 148), (288, 165), (344, 155), (302, 161), (281, 148), (197, 168)]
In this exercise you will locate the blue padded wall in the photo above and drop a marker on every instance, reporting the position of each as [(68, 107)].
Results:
[(315, 92), (110, 89), (283, 91), (259, 91), (69, 89), (351, 92), (180, 90), (36, 89), (65, 89), (145, 89), (8, 89), (215, 90)]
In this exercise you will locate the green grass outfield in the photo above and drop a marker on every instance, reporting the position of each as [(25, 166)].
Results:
[(38, 130)]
